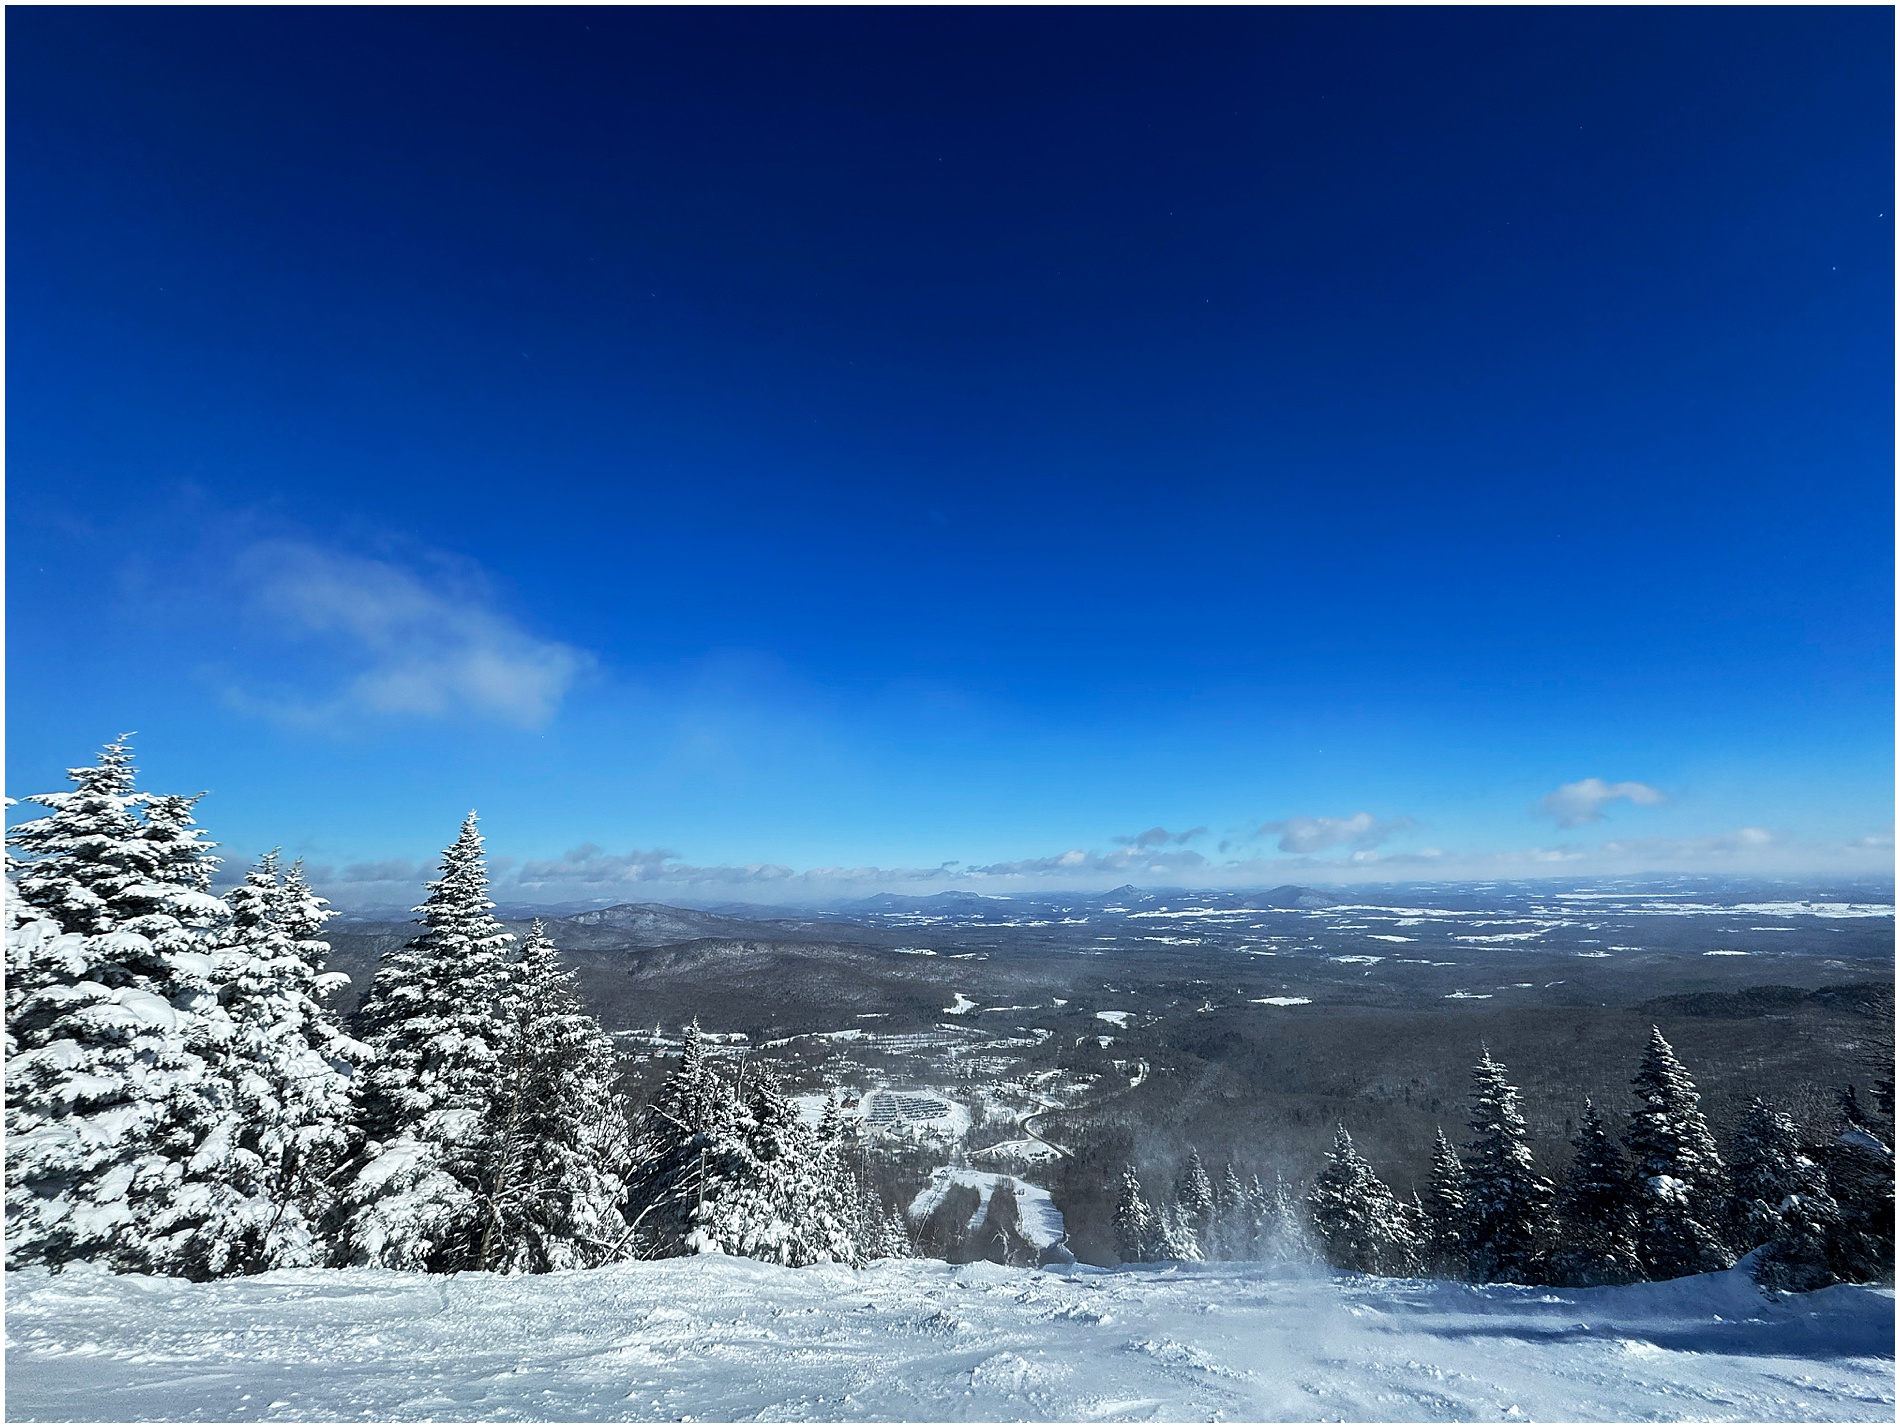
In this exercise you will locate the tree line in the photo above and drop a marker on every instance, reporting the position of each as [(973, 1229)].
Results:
[(1665, 1202), (181, 1099)]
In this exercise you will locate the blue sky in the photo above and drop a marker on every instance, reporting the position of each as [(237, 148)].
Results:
[(772, 453)]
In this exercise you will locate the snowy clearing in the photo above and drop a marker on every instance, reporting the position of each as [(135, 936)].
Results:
[(729, 1339), (1037, 1218)]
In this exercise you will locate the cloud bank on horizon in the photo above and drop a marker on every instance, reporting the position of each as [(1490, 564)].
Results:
[(588, 873)]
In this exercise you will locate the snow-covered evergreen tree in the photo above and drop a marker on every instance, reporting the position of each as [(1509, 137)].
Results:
[(1597, 1227), (1137, 1227), (290, 1063), (554, 1138), (1176, 1238), (1779, 1204), (758, 1217), (1194, 1203), (436, 1020), (1235, 1222), (881, 1231), (682, 1136), (1442, 1214), (1362, 1228), (1859, 1165), (120, 1114), (84, 857), (824, 1201), (1681, 1184), (1507, 1203), (1287, 1239)]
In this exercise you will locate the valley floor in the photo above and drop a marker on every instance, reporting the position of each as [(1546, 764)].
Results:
[(727, 1339)]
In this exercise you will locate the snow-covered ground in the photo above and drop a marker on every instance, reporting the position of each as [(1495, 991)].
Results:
[(728, 1339), (1038, 1220)]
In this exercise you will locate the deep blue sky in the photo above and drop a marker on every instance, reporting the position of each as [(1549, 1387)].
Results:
[(880, 437)]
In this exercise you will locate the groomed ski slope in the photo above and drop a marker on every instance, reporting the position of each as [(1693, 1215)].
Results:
[(729, 1339)]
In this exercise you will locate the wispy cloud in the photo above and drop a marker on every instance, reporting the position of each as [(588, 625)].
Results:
[(415, 643), (1158, 837), (1583, 801), (1312, 835)]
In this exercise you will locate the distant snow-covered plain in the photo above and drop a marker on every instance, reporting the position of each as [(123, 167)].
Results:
[(727, 1339)]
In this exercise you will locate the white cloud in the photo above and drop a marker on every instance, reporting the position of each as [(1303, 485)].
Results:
[(417, 645), (1159, 837), (1310, 835), (1582, 802)]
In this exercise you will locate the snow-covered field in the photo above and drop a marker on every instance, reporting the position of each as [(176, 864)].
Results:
[(727, 1339)]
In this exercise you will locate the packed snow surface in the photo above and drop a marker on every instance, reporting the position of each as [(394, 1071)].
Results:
[(730, 1339)]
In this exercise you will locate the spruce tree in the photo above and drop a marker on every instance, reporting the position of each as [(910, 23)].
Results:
[(1779, 1205), (1596, 1212), (554, 1139), (1176, 1239), (1859, 1166), (881, 1232), (1362, 1228), (824, 1199), (89, 852), (436, 1020), (1233, 1228), (1442, 1214), (1287, 1240), (1194, 1203), (291, 1066), (759, 1168), (120, 1114), (1507, 1203), (895, 1240), (1137, 1227), (1681, 1184), (683, 1134)]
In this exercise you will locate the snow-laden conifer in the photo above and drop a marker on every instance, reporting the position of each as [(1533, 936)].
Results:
[(1779, 1204), (1362, 1228), (1507, 1203), (1176, 1239), (290, 1064), (881, 1230), (1137, 1227), (436, 1020), (1681, 1184), (1235, 1221), (895, 1240), (1442, 1214), (554, 1140), (1287, 1236), (120, 1115), (1859, 1165), (772, 1193), (1194, 1203), (81, 858), (825, 1199), (758, 1164), (678, 1149), (1596, 1220)]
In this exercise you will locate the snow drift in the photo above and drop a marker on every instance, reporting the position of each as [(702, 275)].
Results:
[(727, 1339)]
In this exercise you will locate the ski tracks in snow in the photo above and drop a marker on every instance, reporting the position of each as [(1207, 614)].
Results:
[(726, 1339)]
